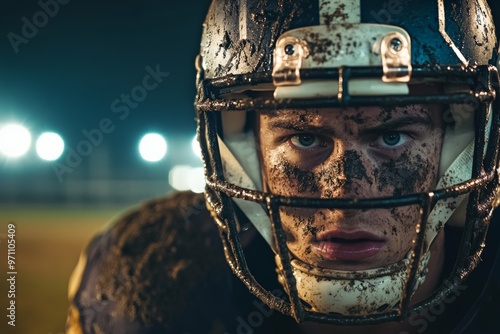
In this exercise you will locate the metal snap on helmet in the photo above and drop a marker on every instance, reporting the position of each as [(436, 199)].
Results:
[(344, 53)]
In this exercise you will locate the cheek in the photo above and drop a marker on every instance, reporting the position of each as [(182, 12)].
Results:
[(401, 230), (414, 171), (300, 226), (285, 179), (299, 223), (403, 221)]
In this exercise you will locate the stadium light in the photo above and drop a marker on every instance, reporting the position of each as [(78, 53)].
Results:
[(49, 146), (178, 177), (184, 177), (197, 180), (15, 140), (153, 147)]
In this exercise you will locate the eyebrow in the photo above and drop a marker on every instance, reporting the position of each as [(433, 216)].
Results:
[(291, 125), (399, 123), (391, 125)]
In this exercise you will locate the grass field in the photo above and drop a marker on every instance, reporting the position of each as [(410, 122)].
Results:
[(48, 242)]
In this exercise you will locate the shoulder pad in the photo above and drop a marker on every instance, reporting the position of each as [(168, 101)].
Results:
[(144, 267)]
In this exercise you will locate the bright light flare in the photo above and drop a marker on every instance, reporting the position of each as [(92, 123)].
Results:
[(197, 180), (153, 147), (15, 140), (49, 146), (196, 147), (183, 177)]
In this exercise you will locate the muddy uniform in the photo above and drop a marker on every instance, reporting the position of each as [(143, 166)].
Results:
[(161, 269)]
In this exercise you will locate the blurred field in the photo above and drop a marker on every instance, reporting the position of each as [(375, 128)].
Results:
[(48, 244)]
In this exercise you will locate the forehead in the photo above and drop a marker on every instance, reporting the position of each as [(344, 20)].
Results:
[(353, 116)]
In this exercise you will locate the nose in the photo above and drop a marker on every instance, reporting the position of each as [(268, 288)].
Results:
[(346, 174)]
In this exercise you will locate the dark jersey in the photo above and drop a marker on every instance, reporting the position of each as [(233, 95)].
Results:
[(161, 269)]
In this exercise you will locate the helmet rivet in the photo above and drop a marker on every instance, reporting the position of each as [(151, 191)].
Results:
[(396, 44), (289, 49)]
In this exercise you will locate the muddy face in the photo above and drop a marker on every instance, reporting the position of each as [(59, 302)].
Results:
[(351, 153)]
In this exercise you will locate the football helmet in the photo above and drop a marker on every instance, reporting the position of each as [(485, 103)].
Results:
[(345, 53)]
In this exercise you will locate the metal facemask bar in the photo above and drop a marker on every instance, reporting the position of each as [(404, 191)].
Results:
[(481, 186)]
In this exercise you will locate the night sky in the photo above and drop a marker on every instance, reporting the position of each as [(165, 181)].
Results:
[(66, 76)]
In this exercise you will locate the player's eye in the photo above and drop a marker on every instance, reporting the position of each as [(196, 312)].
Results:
[(392, 139), (305, 140)]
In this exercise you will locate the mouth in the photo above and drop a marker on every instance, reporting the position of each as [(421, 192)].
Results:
[(348, 246)]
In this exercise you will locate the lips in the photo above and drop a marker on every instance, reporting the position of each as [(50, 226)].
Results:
[(348, 246)]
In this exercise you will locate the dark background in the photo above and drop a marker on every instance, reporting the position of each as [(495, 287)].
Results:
[(65, 78), (90, 53)]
